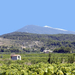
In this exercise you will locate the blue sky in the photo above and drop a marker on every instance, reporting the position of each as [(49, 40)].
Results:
[(15, 14)]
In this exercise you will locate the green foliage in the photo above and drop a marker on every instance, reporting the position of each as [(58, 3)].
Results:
[(71, 59), (28, 36), (7, 49), (26, 49), (42, 49), (49, 59), (37, 64), (38, 69), (63, 50), (49, 41)]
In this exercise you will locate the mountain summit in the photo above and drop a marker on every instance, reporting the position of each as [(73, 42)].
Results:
[(44, 30)]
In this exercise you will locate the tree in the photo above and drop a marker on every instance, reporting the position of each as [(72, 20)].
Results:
[(26, 49), (2, 50), (42, 49), (67, 49), (49, 59), (63, 50)]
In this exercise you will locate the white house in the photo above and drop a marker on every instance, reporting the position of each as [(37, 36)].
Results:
[(47, 51), (15, 57)]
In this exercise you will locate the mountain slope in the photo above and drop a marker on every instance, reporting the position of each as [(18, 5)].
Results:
[(43, 30), (37, 41), (32, 37)]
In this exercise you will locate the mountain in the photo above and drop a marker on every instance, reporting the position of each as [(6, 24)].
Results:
[(43, 30), (46, 37)]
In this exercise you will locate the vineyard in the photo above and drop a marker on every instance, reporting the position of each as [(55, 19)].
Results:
[(37, 64), (38, 69)]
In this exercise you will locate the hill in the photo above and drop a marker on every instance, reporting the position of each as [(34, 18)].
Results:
[(43, 30), (35, 42), (38, 37)]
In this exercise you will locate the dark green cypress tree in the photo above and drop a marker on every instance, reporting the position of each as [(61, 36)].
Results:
[(49, 59)]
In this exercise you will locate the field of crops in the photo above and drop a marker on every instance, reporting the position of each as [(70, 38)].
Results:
[(37, 64), (38, 69)]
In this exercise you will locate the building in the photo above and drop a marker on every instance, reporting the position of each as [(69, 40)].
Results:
[(47, 51), (15, 57)]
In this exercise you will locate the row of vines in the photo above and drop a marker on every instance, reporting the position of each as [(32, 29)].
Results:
[(38, 69), (37, 64)]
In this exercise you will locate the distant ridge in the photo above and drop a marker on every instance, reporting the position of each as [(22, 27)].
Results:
[(43, 30)]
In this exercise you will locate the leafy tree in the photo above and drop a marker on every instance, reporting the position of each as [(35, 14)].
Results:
[(63, 50), (67, 49), (42, 49), (2, 50), (26, 49)]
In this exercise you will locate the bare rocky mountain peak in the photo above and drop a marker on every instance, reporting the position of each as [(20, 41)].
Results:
[(44, 30)]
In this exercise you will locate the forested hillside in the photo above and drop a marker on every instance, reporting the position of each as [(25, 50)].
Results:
[(30, 36), (36, 41)]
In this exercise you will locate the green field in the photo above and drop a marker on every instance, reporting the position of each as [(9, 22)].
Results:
[(37, 64), (34, 58)]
